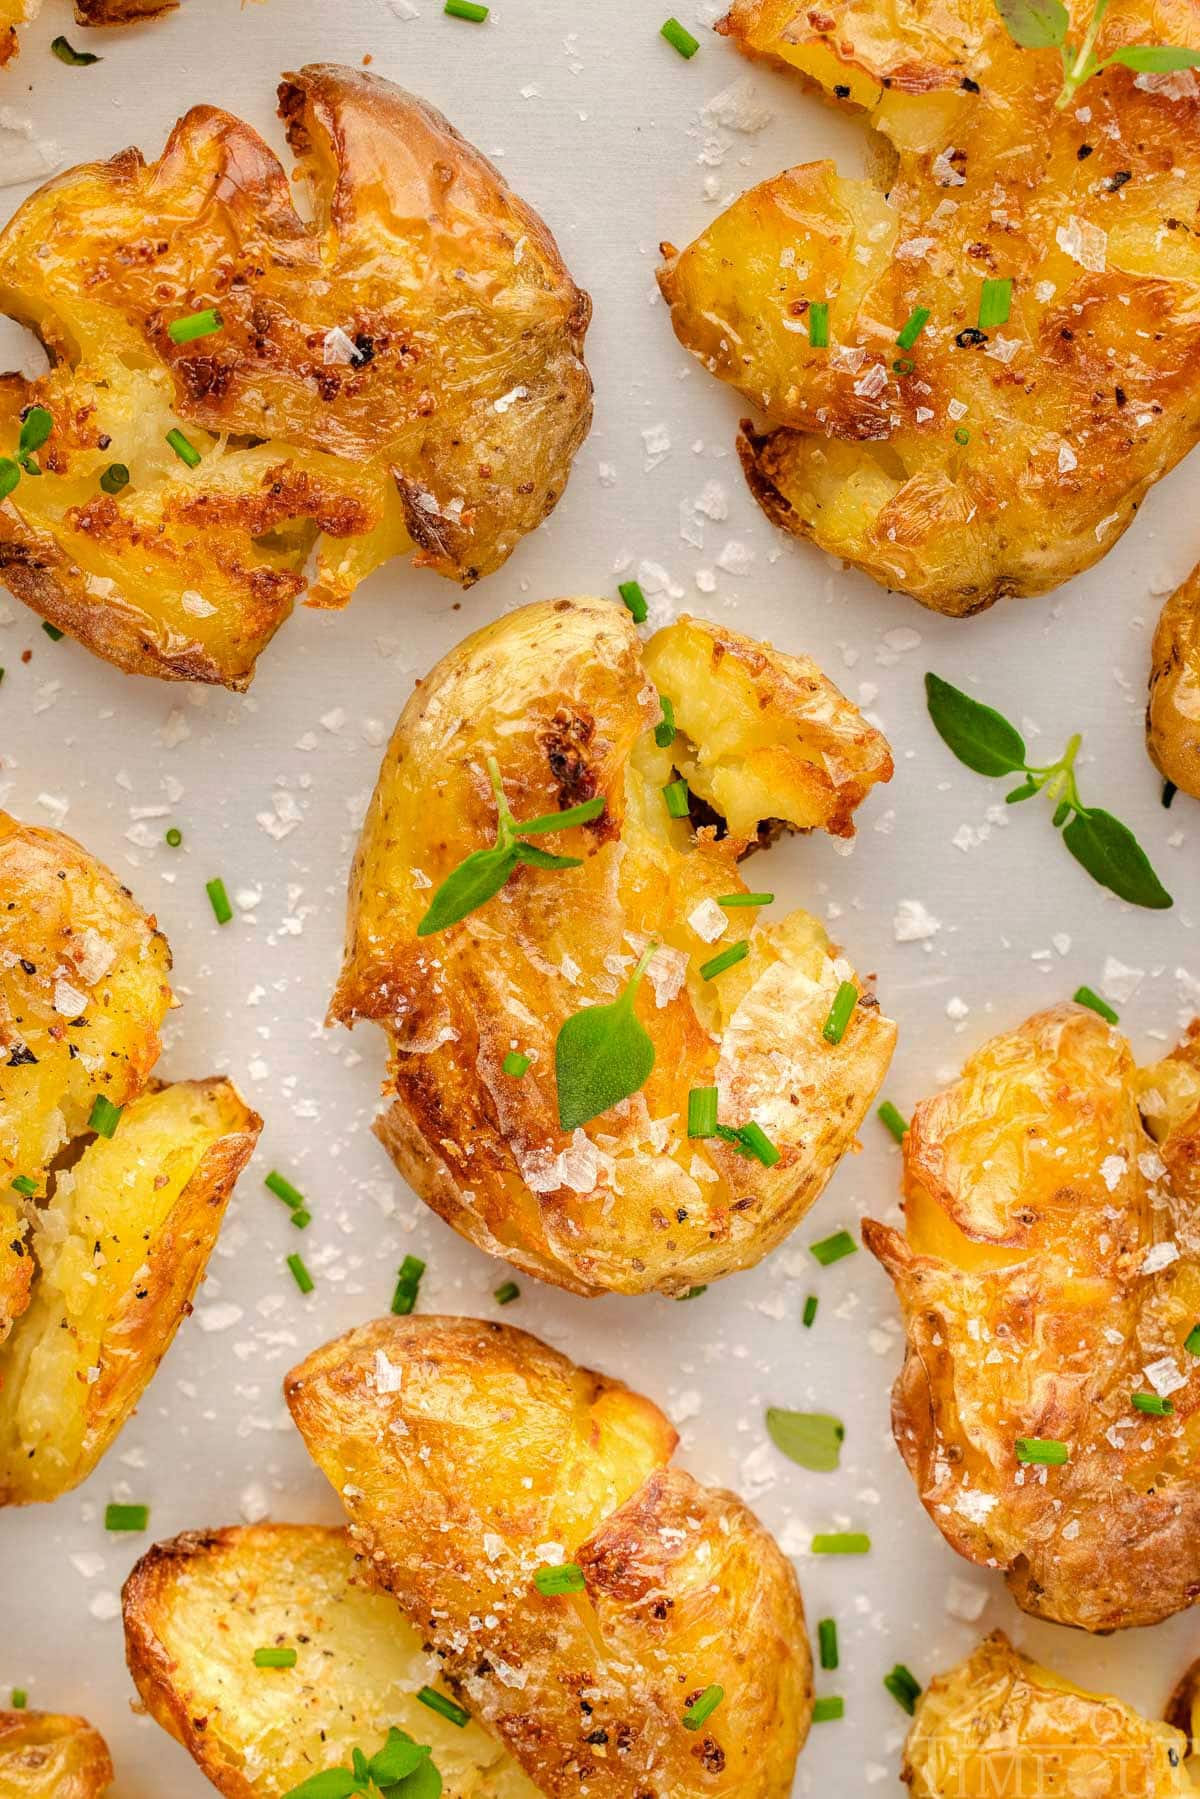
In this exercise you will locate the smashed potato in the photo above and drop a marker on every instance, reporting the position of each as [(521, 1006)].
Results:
[(971, 463), (469, 1456), (198, 1607), (998, 1723), (562, 695), (405, 373), (1173, 715), (1050, 1281), (44, 1756), (112, 1187)]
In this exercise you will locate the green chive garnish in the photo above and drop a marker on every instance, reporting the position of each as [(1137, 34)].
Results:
[(1191, 1342), (36, 427), (74, 59), (680, 38), (1043, 1452), (1085, 997), (841, 1542), (843, 1005), (174, 837), (568, 1578), (913, 326), (894, 1119), (218, 899), (692, 1293), (186, 452), (701, 1710), (818, 324), (283, 1189), (737, 952), (114, 478), (274, 1658), (466, 9), (300, 1274), (828, 1710), (196, 324), (733, 900), (827, 1638), (904, 1687), (52, 632), (759, 1144), (20, 1699), (445, 1708), (1152, 1405), (26, 1184), (126, 1517), (408, 1283), (995, 302), (104, 1117), (810, 1312), (676, 796), (702, 1112), (515, 1063), (301, 1218), (664, 732), (635, 601), (962, 435), (832, 1249), (505, 1295)]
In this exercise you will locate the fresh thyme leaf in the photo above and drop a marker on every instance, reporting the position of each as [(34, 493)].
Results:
[(1025, 791), (1156, 59), (333, 1783), (472, 884), (978, 736), (398, 1758), (1035, 24), (536, 858), (1113, 856), (562, 821), (75, 59), (423, 1783), (36, 427), (812, 1439), (602, 1055), (10, 474)]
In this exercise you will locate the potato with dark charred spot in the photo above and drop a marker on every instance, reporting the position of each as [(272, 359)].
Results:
[(235, 390), (1173, 715), (45, 1756), (564, 700), (470, 1456), (1049, 1407), (112, 1186), (1006, 444)]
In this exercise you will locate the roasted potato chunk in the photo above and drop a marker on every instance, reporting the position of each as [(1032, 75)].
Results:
[(470, 1455), (999, 1723), (1048, 1275), (198, 1607), (404, 373), (975, 462), (111, 1186), (1173, 715), (44, 1756), (562, 695)]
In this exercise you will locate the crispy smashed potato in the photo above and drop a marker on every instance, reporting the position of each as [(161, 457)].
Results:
[(470, 1455), (405, 373), (998, 1723), (563, 696), (971, 464), (44, 1756), (1173, 715), (1049, 1271), (103, 1238), (198, 1607)]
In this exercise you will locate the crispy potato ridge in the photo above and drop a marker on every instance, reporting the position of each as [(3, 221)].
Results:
[(44, 1756), (1173, 715), (461, 1451), (999, 1723), (1049, 1271), (562, 694), (404, 373), (197, 1608), (1073, 407)]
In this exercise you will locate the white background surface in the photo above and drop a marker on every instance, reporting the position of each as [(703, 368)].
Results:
[(597, 123)]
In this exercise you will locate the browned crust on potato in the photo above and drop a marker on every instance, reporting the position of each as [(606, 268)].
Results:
[(1173, 712), (34, 1743)]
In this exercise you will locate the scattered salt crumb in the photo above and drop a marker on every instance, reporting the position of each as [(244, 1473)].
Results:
[(1119, 982), (1165, 1376), (964, 1600), (913, 923), (218, 1317), (1084, 243), (1112, 1169), (707, 920), (1158, 1258)]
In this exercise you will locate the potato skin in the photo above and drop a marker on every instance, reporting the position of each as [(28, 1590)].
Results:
[(449, 432), (1035, 1189), (999, 1723), (1074, 407), (1173, 714), (46, 1756), (563, 695), (461, 1450)]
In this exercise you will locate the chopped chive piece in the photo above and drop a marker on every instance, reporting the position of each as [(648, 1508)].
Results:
[(1043, 1452), (832, 1249), (635, 601), (20, 1699), (737, 952), (697, 1714), (274, 1658), (445, 1708), (676, 796), (995, 302), (904, 1687), (1191, 1342), (827, 1637), (196, 324), (913, 326), (810, 1312), (1168, 793), (1, 674), (759, 1144), (186, 452), (702, 1112), (52, 632), (812, 1440), (408, 1283), (733, 900), (692, 1292), (104, 1116), (818, 324), (126, 1517), (680, 38), (1085, 997), (74, 59), (962, 435), (300, 1274), (218, 899), (26, 1184), (664, 732), (466, 9), (301, 1218), (114, 478), (828, 1710), (505, 1295), (515, 1063), (843, 1005), (174, 837), (568, 1578), (841, 1542), (904, 365), (894, 1119), (283, 1189), (1152, 1405)]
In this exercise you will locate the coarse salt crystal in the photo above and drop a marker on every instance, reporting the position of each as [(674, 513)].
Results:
[(707, 920), (1158, 1258), (1165, 1376), (1084, 243)]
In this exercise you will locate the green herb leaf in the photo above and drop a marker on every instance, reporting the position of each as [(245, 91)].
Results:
[(75, 59), (423, 1783), (538, 858), (811, 1439), (1035, 24), (334, 1783), (1113, 856), (36, 427), (1025, 791), (602, 1055), (977, 735), (398, 1758), (563, 821), (10, 475), (1156, 59), (473, 883)]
